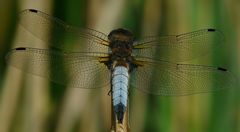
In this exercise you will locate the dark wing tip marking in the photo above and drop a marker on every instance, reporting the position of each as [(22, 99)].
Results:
[(20, 48), (13, 50), (221, 69), (33, 10), (211, 30)]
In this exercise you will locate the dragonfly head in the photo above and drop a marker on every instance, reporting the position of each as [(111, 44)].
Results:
[(121, 35)]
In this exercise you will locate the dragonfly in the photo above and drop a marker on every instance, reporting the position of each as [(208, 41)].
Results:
[(154, 64)]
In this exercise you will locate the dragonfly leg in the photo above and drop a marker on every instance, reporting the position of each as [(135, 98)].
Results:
[(110, 92)]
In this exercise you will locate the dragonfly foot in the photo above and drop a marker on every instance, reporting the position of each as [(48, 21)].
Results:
[(109, 92)]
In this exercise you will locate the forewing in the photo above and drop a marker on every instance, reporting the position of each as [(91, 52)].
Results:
[(179, 48), (86, 40), (165, 78), (82, 70)]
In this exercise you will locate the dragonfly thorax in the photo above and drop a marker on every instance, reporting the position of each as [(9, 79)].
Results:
[(121, 44)]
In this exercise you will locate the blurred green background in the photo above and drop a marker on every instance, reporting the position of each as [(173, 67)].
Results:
[(29, 103)]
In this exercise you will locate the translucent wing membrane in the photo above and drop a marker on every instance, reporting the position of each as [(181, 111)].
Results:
[(166, 78), (158, 72), (36, 22), (81, 70), (179, 48)]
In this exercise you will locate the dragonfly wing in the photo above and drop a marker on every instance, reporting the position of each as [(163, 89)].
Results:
[(179, 48), (165, 78), (82, 70), (89, 40)]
